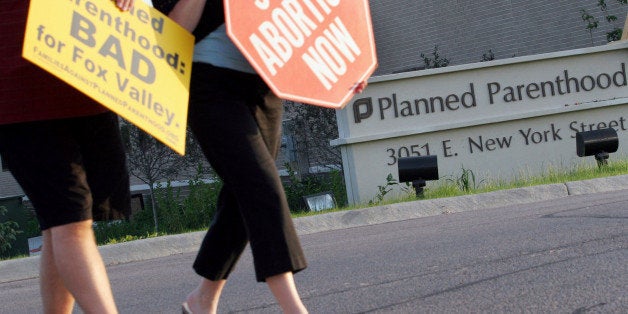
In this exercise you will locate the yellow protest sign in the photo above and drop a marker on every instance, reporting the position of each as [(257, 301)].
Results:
[(136, 63)]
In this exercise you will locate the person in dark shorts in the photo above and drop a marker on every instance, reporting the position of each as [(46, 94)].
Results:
[(66, 153)]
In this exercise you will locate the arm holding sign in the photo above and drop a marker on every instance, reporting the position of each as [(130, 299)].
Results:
[(187, 13), (66, 153)]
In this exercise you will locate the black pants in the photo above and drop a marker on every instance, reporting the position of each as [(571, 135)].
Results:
[(237, 122)]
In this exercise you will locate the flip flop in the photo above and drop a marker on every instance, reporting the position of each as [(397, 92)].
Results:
[(185, 309)]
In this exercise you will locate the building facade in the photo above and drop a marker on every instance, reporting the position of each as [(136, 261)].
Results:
[(467, 32)]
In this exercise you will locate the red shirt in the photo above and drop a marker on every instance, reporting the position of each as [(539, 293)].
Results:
[(28, 93)]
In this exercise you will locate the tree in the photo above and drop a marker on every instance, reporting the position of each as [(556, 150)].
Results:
[(8, 232), (593, 23), (436, 61), (151, 161), (489, 56), (312, 128)]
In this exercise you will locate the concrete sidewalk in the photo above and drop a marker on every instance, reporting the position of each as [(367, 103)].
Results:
[(28, 267)]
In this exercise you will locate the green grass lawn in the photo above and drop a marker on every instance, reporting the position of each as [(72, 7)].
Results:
[(466, 184)]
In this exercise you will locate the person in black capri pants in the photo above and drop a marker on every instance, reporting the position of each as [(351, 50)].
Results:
[(237, 121)]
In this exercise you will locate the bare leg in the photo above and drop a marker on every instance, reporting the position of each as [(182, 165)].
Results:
[(204, 299), (56, 298), (78, 268), (283, 288)]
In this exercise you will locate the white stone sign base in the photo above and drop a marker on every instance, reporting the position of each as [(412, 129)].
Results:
[(502, 120)]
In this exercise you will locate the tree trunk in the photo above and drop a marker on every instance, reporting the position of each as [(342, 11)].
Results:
[(154, 205)]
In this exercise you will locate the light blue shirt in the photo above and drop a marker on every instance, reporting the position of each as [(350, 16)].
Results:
[(218, 50)]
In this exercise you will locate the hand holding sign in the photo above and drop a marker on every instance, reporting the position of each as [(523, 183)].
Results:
[(124, 4), (315, 52)]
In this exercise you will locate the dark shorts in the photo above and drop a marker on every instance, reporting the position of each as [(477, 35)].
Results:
[(71, 169)]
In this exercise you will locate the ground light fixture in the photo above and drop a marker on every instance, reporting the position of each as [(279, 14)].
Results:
[(320, 201), (598, 143), (418, 169)]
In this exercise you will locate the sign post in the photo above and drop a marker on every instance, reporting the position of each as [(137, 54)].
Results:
[(314, 52), (136, 63)]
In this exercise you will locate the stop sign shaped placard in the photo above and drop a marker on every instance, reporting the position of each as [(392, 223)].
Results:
[(309, 51)]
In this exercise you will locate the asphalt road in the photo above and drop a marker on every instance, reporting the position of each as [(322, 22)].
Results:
[(560, 255)]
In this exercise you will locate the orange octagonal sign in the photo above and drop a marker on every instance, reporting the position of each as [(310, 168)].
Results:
[(309, 51)]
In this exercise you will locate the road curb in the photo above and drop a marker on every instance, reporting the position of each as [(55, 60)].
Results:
[(425, 208), (27, 268)]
